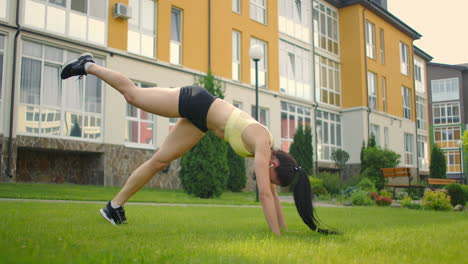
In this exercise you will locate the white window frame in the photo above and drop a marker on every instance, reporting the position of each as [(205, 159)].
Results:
[(66, 112), (141, 32), (5, 9), (419, 81), (329, 134), (295, 71), (236, 6), (150, 120), (423, 161), (446, 113), (384, 94), (300, 115), (404, 59), (262, 64), (176, 46), (370, 40), (421, 113), (453, 159), (372, 90), (406, 96), (409, 148), (295, 19), (236, 55), (322, 16), (447, 134), (323, 67), (256, 6), (445, 89), (382, 46)]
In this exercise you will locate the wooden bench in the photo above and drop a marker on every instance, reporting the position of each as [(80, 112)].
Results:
[(398, 173), (435, 181)]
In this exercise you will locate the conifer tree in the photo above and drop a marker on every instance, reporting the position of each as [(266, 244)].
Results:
[(438, 168)]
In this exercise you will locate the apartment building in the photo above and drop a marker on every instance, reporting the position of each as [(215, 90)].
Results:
[(343, 67), (447, 93)]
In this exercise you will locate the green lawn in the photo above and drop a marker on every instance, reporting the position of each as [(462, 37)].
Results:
[(37, 232)]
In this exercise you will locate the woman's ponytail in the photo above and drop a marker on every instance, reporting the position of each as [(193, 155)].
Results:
[(303, 200)]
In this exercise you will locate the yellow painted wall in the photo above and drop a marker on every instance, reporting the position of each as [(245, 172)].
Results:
[(225, 20), (118, 28)]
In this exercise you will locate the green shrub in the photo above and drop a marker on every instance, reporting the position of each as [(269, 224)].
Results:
[(436, 200), (349, 191), (366, 185), (377, 158), (465, 190), (301, 148), (361, 198), (415, 193), (353, 181), (406, 201), (383, 201), (317, 187), (401, 195), (237, 177), (456, 193), (385, 193), (331, 181), (438, 167)]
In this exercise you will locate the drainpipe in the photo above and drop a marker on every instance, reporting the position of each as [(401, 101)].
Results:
[(415, 111), (12, 96)]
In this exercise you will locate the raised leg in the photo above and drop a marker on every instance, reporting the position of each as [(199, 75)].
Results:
[(182, 138)]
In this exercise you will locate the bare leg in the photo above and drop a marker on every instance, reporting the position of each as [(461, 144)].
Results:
[(159, 101), (182, 138)]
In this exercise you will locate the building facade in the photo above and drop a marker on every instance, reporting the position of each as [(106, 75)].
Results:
[(345, 68), (448, 88)]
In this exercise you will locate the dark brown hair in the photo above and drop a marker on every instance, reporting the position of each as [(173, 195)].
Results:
[(288, 173)]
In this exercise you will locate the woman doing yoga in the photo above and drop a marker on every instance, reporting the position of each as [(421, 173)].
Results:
[(198, 112)]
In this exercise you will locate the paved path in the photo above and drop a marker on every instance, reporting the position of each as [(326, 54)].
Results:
[(282, 198)]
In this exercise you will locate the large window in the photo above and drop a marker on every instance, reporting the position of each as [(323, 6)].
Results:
[(375, 131), (328, 134), (421, 112), (295, 71), (80, 19), (49, 106), (292, 116), (141, 27), (423, 157), (140, 127), (370, 40), (236, 55), (445, 89), (406, 95), (294, 18), (382, 46), (176, 36), (258, 10), (262, 64), (384, 94), (404, 59), (2, 57), (236, 6), (419, 81), (372, 90), (447, 137), (325, 21), (327, 81), (263, 115), (448, 113), (409, 149), (453, 161)]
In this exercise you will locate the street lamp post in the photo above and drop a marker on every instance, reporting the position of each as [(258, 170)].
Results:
[(256, 53), (460, 146)]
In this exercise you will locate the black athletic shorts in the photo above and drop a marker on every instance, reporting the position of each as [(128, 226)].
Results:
[(194, 102)]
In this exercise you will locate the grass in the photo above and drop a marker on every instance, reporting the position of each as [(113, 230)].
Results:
[(36, 232)]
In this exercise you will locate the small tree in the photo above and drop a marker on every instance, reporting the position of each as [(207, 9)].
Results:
[(363, 164), (237, 178), (438, 167), (377, 158), (371, 143), (301, 148), (340, 157)]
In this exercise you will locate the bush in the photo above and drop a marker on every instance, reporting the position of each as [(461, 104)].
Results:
[(438, 167), (406, 201), (353, 181), (366, 185), (456, 193), (383, 201), (237, 178), (415, 193), (374, 196), (401, 195), (319, 190), (349, 191), (436, 200), (465, 190), (386, 193), (301, 148), (361, 198), (376, 158), (331, 181)]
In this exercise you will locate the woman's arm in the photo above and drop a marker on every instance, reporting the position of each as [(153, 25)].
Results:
[(279, 210)]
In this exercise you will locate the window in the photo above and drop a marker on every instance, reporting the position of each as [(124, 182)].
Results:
[(327, 79), (370, 40), (448, 113), (386, 138), (3, 9), (375, 130), (404, 59), (328, 134), (372, 90), (445, 89), (236, 55), (292, 116), (384, 94), (421, 112), (79, 19), (406, 102), (409, 149), (236, 6), (263, 115), (140, 125), (325, 21), (294, 19), (262, 65), (382, 46), (447, 137), (49, 106), (295, 71), (141, 28), (2, 57), (423, 160), (419, 81), (258, 10), (453, 161), (176, 36)]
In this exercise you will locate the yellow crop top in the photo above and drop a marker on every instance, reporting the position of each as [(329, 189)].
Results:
[(235, 125)]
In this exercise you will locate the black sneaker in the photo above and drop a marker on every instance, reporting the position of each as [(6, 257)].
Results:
[(114, 216), (76, 66)]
